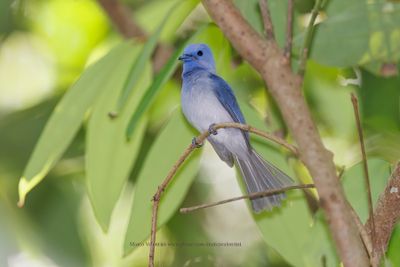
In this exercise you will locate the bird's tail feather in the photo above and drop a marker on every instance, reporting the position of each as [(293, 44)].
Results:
[(260, 175)]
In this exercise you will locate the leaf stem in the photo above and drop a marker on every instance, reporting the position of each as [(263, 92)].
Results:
[(308, 37)]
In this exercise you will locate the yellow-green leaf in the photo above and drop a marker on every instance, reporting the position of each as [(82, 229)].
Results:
[(109, 155), (66, 120)]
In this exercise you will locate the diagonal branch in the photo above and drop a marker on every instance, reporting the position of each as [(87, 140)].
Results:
[(122, 19), (386, 215), (285, 87), (199, 140), (249, 196)]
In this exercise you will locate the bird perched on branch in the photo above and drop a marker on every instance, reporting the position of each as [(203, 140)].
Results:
[(207, 100)]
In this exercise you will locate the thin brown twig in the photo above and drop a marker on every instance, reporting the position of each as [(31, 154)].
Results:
[(157, 197), (248, 128), (200, 139), (308, 37), (287, 53), (249, 196), (123, 20), (268, 27), (365, 166)]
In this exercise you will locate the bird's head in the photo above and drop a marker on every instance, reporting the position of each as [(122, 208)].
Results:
[(197, 56)]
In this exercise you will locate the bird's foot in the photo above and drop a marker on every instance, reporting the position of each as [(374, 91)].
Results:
[(212, 129), (195, 143)]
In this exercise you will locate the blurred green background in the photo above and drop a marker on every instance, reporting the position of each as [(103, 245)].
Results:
[(66, 64)]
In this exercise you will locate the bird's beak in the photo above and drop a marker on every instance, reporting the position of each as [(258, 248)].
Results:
[(185, 57)]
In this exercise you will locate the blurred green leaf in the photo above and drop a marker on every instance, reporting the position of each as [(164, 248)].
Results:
[(251, 11), (160, 80), (71, 30), (67, 118), (150, 15), (278, 12), (15, 144), (287, 228), (342, 38), (359, 32), (167, 148), (380, 100), (137, 67), (6, 17), (147, 51), (384, 43), (384, 145), (109, 156), (318, 248), (394, 247), (330, 100), (355, 189)]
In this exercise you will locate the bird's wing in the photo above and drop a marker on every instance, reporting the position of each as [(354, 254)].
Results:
[(228, 100)]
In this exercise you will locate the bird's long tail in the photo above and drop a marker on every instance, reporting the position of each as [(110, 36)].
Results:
[(260, 175)]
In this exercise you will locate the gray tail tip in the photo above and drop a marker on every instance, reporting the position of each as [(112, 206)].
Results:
[(268, 203)]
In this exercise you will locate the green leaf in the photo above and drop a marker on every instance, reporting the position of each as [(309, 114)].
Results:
[(109, 156), (278, 12), (166, 150), (318, 248), (374, 91), (342, 39), (146, 53), (286, 228), (355, 188), (137, 67), (384, 43), (161, 79), (251, 12), (150, 14), (394, 247), (66, 120), (332, 105), (6, 17)]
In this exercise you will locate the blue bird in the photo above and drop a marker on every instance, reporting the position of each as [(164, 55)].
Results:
[(206, 100)]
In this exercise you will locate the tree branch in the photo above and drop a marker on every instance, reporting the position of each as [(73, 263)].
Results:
[(124, 22), (285, 87), (200, 139), (122, 19), (249, 196), (268, 27), (386, 215)]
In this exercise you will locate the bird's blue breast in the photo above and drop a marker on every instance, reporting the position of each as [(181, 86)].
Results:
[(199, 102)]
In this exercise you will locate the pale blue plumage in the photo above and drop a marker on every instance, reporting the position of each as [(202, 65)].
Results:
[(207, 99)]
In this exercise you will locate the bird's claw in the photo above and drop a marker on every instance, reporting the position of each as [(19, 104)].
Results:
[(195, 143), (212, 129)]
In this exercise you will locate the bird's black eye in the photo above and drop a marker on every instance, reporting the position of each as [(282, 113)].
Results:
[(200, 53)]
